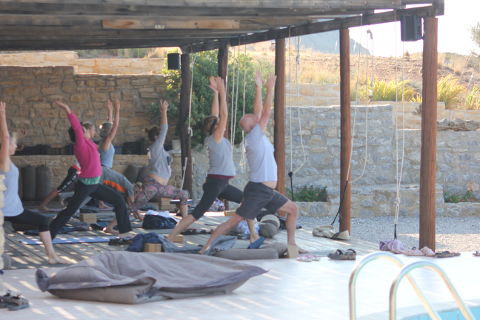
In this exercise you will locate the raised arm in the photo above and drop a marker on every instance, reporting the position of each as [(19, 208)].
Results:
[(214, 87), (223, 119), (111, 135), (5, 140), (268, 102), (74, 122), (163, 122), (257, 104), (109, 107)]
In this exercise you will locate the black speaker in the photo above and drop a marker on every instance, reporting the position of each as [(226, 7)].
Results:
[(411, 28), (173, 61)]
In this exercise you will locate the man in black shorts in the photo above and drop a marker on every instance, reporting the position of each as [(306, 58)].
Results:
[(260, 190)]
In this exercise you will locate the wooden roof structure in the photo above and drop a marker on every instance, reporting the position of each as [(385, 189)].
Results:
[(194, 25), (198, 25)]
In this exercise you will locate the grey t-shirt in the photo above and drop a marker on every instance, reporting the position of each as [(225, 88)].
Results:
[(117, 178), (261, 160), (220, 157), (13, 206), (159, 162)]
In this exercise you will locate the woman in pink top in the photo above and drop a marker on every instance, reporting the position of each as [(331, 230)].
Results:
[(88, 184)]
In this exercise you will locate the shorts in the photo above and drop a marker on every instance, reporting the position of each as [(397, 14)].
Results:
[(257, 196)]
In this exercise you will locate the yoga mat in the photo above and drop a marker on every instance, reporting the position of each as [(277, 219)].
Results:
[(50, 210), (67, 240)]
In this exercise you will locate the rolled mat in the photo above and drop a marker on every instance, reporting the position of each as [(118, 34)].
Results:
[(43, 182), (29, 183)]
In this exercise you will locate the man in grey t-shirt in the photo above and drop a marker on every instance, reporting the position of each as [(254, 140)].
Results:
[(260, 190)]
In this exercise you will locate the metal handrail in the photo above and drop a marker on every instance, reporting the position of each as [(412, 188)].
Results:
[(390, 257), (428, 265)]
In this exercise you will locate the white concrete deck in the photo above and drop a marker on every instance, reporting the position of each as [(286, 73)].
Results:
[(290, 290)]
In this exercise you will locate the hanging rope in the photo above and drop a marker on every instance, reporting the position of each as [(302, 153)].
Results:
[(243, 159)]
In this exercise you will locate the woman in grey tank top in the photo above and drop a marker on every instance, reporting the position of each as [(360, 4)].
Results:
[(155, 184), (108, 130), (222, 167), (13, 210)]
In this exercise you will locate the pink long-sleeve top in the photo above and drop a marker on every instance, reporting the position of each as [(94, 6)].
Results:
[(85, 150)]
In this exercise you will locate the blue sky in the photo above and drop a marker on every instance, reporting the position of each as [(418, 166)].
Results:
[(453, 32)]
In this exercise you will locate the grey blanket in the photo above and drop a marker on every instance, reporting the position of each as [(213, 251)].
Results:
[(129, 277)]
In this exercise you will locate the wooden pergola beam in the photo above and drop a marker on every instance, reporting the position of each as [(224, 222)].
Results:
[(345, 131), (183, 115), (317, 27), (279, 114), (429, 134)]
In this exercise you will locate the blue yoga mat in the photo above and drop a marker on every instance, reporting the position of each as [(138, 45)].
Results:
[(66, 240)]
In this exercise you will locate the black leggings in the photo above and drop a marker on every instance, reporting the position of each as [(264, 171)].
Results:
[(32, 219), (96, 191), (70, 179), (214, 188)]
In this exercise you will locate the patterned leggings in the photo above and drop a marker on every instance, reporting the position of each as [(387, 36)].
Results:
[(153, 189)]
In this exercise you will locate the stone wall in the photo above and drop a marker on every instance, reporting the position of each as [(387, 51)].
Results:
[(315, 152), (29, 93)]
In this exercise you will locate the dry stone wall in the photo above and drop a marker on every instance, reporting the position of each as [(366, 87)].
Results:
[(30, 91), (313, 154)]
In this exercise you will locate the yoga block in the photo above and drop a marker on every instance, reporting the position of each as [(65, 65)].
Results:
[(292, 252), (88, 217), (229, 212), (152, 247), (178, 238)]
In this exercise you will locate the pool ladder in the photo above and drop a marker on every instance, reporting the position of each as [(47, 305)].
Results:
[(404, 272)]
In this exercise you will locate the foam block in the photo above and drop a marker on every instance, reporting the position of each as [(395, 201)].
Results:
[(152, 247)]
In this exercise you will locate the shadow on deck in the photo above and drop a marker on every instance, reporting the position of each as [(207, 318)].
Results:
[(26, 256)]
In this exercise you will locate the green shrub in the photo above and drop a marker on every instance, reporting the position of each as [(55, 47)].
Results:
[(205, 65), (472, 100), (450, 91), (456, 198), (381, 90), (310, 194)]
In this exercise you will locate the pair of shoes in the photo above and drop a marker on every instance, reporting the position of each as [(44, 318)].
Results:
[(119, 241), (13, 302), (349, 254), (446, 254)]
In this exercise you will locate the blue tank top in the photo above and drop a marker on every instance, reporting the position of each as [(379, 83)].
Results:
[(106, 157), (13, 206)]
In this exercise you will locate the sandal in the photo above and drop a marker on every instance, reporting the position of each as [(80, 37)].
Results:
[(119, 241), (13, 302), (349, 254), (446, 254)]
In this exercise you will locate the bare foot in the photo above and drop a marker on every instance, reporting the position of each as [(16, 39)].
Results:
[(109, 229), (43, 208), (300, 250), (254, 238), (56, 260)]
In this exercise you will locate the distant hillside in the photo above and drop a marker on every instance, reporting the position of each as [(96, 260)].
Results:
[(328, 42)]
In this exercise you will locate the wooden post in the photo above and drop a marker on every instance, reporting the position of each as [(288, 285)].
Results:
[(222, 59), (279, 113), (429, 134), (345, 130), (184, 113)]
